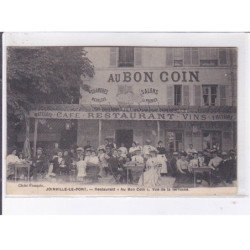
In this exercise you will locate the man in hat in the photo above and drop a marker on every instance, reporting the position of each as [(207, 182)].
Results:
[(79, 152), (117, 167), (214, 164), (196, 163), (39, 164), (147, 147), (215, 161), (172, 170), (230, 168), (190, 151), (87, 154), (137, 158), (103, 159), (207, 156), (123, 150), (87, 146)]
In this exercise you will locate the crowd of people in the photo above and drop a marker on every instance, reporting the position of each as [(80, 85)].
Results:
[(110, 160)]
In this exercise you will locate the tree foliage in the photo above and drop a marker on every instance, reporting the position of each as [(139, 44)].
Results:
[(45, 75)]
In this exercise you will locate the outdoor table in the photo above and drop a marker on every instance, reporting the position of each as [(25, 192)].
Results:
[(202, 170), (134, 167), (22, 165)]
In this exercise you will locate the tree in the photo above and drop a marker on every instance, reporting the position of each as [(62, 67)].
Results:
[(44, 75)]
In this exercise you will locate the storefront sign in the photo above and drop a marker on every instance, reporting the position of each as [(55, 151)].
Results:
[(137, 116), (98, 95), (145, 76)]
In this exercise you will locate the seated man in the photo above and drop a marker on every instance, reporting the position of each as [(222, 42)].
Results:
[(123, 150), (137, 158), (172, 167), (196, 163), (39, 164), (117, 168), (214, 163)]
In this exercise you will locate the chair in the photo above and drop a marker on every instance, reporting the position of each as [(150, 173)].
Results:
[(92, 172)]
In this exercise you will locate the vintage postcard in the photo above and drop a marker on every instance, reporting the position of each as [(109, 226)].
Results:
[(120, 119)]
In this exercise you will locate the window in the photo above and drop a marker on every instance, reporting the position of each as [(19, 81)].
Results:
[(174, 141), (208, 57), (126, 57), (177, 95), (178, 57), (223, 56), (169, 56), (209, 93), (191, 56)]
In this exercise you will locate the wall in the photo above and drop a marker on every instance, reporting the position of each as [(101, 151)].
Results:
[(152, 60)]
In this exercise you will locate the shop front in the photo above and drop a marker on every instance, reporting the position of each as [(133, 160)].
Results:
[(204, 128)]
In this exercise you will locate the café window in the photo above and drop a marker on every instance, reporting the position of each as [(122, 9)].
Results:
[(174, 141), (178, 95), (126, 57), (209, 94)]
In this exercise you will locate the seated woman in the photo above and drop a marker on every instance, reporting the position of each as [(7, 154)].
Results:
[(81, 168), (11, 160), (183, 168), (151, 176)]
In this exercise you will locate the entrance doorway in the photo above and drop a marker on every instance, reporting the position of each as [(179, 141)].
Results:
[(124, 136)]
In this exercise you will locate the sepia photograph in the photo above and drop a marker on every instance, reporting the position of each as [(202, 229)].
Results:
[(121, 120)]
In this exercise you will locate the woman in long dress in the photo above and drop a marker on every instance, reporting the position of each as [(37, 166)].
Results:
[(151, 176), (81, 168)]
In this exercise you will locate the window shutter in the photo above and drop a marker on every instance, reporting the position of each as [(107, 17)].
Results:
[(197, 95), (223, 56), (138, 56), (113, 56), (195, 56), (186, 95), (223, 95), (169, 56), (203, 53), (187, 56), (170, 95), (213, 54)]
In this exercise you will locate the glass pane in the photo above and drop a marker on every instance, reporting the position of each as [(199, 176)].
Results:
[(177, 94), (178, 136), (126, 56), (213, 90)]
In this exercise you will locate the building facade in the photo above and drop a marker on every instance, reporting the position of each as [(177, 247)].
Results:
[(178, 95)]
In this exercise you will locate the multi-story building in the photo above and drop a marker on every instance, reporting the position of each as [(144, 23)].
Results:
[(178, 95)]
